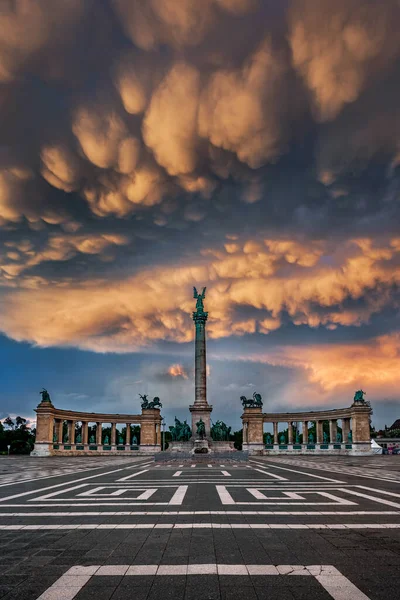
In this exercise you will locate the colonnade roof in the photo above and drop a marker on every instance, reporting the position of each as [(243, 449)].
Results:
[(317, 415), (71, 415)]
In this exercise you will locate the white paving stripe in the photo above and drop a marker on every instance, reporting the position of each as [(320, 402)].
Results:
[(336, 584), (288, 526), (226, 474), (364, 487), (273, 475), (300, 472), (179, 495), (133, 475), (177, 474), (226, 498), (373, 498)]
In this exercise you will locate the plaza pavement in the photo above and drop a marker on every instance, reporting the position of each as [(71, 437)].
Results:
[(277, 528)]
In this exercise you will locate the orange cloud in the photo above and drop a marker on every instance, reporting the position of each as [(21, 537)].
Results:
[(178, 371), (156, 304)]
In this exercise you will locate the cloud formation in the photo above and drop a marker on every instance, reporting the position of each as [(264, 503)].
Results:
[(249, 146)]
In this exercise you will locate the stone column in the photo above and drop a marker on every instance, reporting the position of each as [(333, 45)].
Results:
[(346, 430), (44, 429), (253, 440), (158, 434), (148, 436), (290, 432), (99, 432), (360, 413), (319, 431), (60, 427), (275, 433), (113, 433), (305, 432), (245, 432), (332, 430), (128, 434), (85, 432), (71, 432), (200, 409)]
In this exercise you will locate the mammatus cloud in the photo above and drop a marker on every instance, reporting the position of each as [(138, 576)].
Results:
[(249, 146), (338, 47), (267, 278)]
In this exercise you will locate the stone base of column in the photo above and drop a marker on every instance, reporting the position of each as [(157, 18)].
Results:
[(253, 447), (149, 448), (200, 412), (361, 448), (42, 449)]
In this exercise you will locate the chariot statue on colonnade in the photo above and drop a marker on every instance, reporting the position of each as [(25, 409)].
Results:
[(155, 403), (255, 402)]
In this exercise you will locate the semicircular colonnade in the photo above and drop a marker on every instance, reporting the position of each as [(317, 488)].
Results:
[(56, 432), (354, 437)]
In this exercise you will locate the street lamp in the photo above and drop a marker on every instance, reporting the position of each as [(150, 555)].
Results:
[(163, 434)]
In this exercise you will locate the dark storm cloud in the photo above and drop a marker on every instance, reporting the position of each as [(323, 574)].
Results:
[(248, 145)]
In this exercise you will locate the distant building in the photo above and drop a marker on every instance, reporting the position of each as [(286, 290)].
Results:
[(390, 437)]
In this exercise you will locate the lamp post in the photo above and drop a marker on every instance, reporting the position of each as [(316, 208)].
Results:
[(163, 434)]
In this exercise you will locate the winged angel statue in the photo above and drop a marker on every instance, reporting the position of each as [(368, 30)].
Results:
[(200, 298)]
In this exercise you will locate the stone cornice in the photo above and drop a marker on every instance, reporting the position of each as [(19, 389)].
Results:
[(72, 415)]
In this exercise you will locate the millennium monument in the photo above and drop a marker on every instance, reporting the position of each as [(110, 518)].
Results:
[(200, 410), (66, 432)]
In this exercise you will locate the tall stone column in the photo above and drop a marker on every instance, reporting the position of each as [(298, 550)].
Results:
[(99, 434), (332, 430), (319, 431), (290, 432), (305, 432), (346, 430), (275, 433), (60, 427), (200, 409), (113, 433), (128, 434), (85, 432)]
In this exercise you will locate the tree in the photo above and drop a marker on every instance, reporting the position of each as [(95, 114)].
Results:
[(17, 435), (20, 422), (9, 422)]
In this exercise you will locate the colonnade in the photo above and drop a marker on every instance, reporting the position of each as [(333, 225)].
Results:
[(85, 439), (354, 438), (50, 427), (295, 428)]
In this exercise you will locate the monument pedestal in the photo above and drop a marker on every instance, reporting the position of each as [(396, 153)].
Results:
[(200, 411), (201, 447), (42, 449)]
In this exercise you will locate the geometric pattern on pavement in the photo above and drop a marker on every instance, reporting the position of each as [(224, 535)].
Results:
[(131, 528)]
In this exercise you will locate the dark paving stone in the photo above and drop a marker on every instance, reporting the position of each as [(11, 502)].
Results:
[(95, 593)]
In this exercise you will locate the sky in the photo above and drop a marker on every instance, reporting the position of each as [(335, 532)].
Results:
[(249, 146)]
